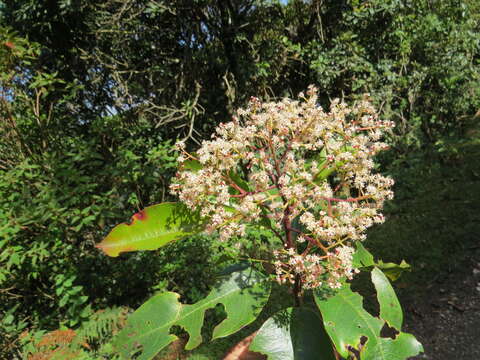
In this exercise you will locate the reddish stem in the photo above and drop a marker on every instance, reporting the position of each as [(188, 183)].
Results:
[(287, 227), (231, 183), (360, 198), (368, 128), (309, 239)]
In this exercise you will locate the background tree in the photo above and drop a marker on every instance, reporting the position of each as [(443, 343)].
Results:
[(93, 95)]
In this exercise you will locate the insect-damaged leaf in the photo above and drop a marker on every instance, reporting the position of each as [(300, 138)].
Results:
[(243, 295), (347, 323), (151, 228), (390, 309), (293, 333)]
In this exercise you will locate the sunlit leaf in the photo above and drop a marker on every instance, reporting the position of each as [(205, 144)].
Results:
[(326, 168), (351, 327), (390, 309), (191, 165), (362, 258), (243, 294), (151, 228)]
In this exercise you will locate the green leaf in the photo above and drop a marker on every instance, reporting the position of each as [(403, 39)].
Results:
[(293, 333), (322, 162), (151, 228), (63, 300), (7, 320), (361, 257), (237, 179), (390, 309), (326, 169), (191, 165), (243, 295), (347, 323), (402, 347), (392, 270)]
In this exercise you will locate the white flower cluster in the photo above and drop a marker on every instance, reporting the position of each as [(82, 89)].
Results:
[(277, 162), (310, 267), (289, 265), (339, 265)]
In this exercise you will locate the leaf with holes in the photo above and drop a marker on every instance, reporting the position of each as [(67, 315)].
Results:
[(151, 228), (390, 309), (354, 330), (243, 295), (293, 333)]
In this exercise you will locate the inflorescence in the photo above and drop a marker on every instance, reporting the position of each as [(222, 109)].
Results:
[(306, 173)]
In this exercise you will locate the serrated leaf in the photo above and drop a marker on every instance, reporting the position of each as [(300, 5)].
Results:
[(293, 334), (151, 228), (243, 295), (347, 322)]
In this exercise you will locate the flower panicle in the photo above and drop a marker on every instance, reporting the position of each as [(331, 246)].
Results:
[(287, 160)]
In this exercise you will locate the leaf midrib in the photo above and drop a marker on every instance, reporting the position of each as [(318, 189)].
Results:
[(138, 239)]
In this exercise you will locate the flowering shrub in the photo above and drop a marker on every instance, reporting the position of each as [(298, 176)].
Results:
[(307, 175), (288, 153)]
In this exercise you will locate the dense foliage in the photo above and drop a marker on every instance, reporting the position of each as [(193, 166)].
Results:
[(94, 94), (305, 175)]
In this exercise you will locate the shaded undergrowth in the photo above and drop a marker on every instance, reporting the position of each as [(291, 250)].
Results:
[(434, 221)]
